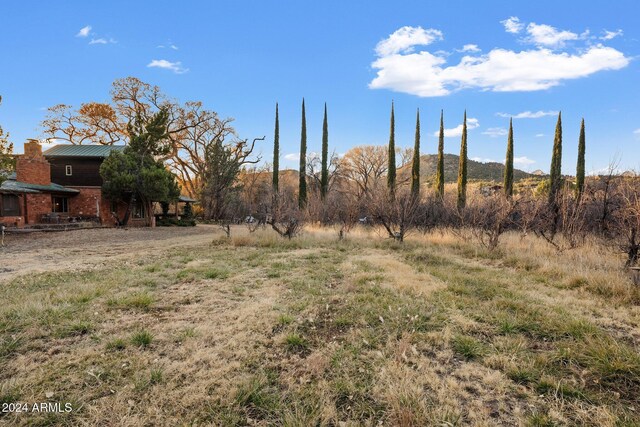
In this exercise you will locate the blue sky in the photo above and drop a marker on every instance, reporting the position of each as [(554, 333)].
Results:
[(241, 57)]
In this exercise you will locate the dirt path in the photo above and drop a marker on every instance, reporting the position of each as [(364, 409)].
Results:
[(85, 249)]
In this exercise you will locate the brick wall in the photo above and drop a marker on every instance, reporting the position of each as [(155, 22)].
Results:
[(32, 167), (37, 205), (12, 221), (84, 205), (33, 171)]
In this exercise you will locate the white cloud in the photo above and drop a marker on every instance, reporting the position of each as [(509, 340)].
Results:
[(84, 31), (636, 132), (404, 39), (512, 25), (292, 157), (481, 160), (470, 48), (169, 46), (528, 114), (495, 132), (427, 74), (472, 123), (608, 35), (539, 135), (176, 67), (546, 35), (102, 40), (524, 161)]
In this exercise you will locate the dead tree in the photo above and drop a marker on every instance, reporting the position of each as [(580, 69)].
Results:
[(286, 218), (625, 218), (488, 217), (398, 215)]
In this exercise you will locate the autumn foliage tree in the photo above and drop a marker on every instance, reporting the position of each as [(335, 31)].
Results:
[(7, 162), (364, 167)]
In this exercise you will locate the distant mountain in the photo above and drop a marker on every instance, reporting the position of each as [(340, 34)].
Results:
[(491, 171)]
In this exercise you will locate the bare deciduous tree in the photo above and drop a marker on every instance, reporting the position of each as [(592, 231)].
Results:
[(364, 166), (397, 215)]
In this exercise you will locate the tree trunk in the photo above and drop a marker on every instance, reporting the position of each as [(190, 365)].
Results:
[(127, 213)]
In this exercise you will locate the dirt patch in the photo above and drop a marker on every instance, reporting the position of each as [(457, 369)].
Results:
[(87, 249)]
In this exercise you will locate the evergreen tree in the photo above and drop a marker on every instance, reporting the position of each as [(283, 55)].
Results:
[(440, 166), (135, 174), (276, 154), (508, 164), (324, 176), (556, 162), (415, 168), (391, 169), (580, 166), (462, 167), (302, 188)]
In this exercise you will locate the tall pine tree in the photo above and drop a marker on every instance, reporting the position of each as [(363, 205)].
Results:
[(302, 187), (324, 175), (391, 169), (556, 163), (580, 166), (462, 167), (440, 166), (415, 167), (276, 154), (508, 163)]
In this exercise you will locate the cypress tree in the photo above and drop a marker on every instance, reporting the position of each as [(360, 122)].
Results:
[(580, 166), (415, 169), (391, 170), (302, 187), (508, 164), (462, 166), (440, 167), (556, 162), (276, 154), (324, 177)]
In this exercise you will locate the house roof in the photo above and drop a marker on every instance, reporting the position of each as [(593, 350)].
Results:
[(186, 199), (10, 185), (70, 150)]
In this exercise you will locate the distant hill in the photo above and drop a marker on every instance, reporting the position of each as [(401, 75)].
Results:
[(492, 171)]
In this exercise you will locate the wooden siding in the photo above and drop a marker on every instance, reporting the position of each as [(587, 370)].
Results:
[(84, 171)]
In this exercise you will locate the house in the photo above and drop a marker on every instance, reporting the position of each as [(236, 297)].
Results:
[(62, 184)]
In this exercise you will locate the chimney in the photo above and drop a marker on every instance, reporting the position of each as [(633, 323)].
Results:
[(32, 149), (32, 167)]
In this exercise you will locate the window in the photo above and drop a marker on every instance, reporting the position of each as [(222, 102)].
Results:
[(68, 170), (138, 210), (10, 205), (60, 204)]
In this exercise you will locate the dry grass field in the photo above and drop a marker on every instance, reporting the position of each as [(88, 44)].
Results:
[(189, 328)]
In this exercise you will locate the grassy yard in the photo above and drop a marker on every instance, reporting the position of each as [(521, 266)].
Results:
[(257, 330)]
